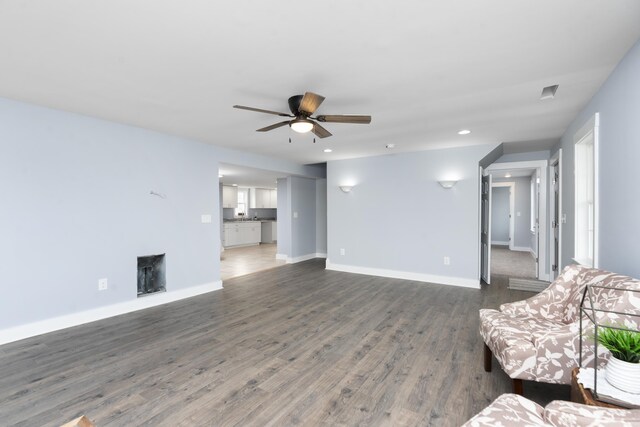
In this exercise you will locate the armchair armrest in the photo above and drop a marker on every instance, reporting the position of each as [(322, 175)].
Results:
[(549, 304)]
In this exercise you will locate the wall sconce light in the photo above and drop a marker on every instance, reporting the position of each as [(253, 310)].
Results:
[(447, 184), (346, 188)]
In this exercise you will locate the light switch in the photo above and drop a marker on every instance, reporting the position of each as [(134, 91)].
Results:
[(206, 219), (518, 214), (295, 214)]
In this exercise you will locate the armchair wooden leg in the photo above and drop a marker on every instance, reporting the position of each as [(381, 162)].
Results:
[(487, 358), (517, 386)]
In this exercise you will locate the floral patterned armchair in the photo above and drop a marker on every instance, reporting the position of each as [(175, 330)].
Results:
[(538, 338), (511, 410)]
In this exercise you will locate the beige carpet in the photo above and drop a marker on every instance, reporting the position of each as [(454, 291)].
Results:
[(512, 263)]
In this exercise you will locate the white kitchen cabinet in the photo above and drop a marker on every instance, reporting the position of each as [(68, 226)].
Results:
[(229, 196), (241, 233), (263, 198)]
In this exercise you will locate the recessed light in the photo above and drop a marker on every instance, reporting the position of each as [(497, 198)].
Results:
[(234, 185), (220, 176), (508, 175), (464, 132), (389, 146), (327, 150)]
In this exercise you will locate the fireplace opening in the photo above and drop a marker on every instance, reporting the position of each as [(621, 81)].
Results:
[(151, 274)]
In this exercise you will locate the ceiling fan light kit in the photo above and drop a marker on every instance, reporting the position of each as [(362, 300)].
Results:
[(301, 125), (302, 107)]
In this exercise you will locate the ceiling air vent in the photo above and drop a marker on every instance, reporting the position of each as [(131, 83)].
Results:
[(549, 92)]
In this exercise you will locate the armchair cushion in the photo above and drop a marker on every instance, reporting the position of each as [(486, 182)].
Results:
[(567, 414), (511, 410)]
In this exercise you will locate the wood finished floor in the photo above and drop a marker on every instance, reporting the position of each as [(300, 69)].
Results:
[(294, 345), (248, 259)]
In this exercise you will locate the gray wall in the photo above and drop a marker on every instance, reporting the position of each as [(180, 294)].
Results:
[(522, 202), (284, 217), (522, 205), (618, 102), (397, 217), (321, 216), (500, 215), (303, 227), (523, 157), (76, 208)]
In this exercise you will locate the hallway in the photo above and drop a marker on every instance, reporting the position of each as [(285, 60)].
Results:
[(510, 263)]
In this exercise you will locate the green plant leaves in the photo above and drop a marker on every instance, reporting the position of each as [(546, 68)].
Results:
[(623, 345)]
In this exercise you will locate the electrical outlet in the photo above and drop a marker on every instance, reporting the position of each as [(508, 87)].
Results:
[(103, 285), (295, 214), (205, 219), (518, 214), (342, 251), (447, 260)]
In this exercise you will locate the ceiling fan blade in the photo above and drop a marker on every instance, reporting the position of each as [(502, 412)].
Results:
[(277, 125), (260, 110), (310, 103), (319, 131), (364, 120)]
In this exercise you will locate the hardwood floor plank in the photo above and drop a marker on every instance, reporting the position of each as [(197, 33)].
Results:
[(294, 345)]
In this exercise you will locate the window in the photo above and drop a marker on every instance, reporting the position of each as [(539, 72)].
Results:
[(585, 209), (243, 202)]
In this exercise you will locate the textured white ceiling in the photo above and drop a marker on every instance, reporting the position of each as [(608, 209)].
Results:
[(422, 69)]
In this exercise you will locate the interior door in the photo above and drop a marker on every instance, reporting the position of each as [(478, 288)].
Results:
[(555, 221), (485, 230), (536, 214)]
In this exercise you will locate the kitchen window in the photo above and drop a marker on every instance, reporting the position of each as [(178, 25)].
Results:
[(243, 201)]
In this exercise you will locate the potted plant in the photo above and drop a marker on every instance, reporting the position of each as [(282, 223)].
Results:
[(623, 369)]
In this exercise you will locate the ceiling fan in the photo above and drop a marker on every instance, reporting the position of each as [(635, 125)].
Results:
[(302, 107)]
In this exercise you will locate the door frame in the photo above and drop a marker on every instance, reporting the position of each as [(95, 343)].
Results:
[(512, 208), (543, 236), (485, 214), (556, 159)]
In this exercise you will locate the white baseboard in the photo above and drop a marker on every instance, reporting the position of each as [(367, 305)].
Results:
[(521, 248), (305, 258), (20, 332), (282, 257), (500, 243), (406, 275)]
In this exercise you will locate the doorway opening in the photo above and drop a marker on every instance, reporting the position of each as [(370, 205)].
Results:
[(248, 220), (513, 220)]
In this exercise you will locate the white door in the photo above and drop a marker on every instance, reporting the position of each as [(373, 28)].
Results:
[(555, 221), (485, 230)]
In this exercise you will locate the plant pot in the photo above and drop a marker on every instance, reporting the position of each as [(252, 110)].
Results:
[(623, 375)]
